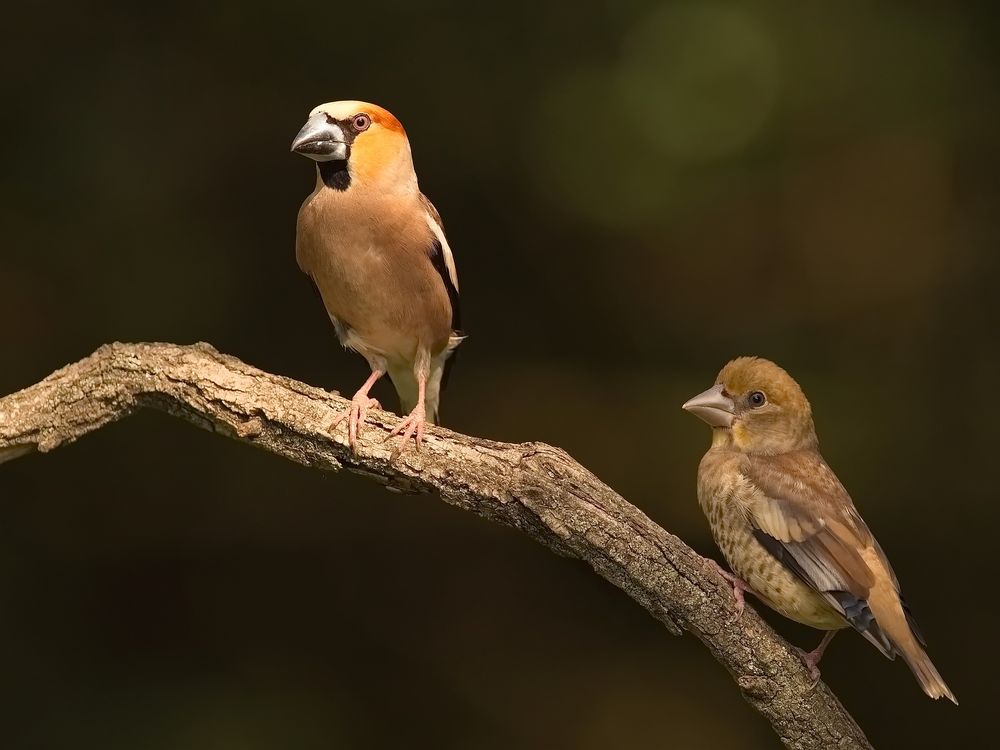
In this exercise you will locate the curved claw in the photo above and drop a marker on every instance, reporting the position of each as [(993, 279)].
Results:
[(810, 664), (739, 586), (411, 427), (355, 415), (811, 658)]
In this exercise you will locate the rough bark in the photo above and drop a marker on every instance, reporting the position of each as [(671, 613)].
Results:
[(533, 487)]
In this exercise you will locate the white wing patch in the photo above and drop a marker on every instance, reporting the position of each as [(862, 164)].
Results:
[(449, 259)]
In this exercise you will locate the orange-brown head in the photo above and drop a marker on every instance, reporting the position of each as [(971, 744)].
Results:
[(756, 407), (357, 144)]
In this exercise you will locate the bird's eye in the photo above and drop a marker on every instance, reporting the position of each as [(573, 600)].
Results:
[(757, 399), (361, 122)]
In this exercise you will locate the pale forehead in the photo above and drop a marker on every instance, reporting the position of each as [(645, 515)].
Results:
[(344, 109)]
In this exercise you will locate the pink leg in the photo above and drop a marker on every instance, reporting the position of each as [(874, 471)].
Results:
[(355, 413), (739, 586), (811, 658), (413, 425)]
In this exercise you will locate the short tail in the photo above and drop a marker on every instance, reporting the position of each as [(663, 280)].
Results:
[(926, 673)]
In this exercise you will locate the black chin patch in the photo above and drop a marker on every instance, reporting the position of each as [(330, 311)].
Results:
[(335, 174)]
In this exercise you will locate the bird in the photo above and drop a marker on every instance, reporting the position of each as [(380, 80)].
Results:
[(786, 525), (375, 248)]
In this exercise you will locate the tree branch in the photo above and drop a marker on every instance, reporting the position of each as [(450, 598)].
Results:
[(532, 486)]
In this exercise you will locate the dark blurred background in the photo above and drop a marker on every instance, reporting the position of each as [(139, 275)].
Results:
[(635, 192)]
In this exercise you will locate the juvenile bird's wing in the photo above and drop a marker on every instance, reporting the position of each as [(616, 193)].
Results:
[(804, 517)]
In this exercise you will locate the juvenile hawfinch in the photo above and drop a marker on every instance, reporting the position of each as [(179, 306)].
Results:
[(375, 248), (786, 525)]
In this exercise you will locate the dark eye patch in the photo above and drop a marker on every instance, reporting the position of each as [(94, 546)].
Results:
[(335, 173)]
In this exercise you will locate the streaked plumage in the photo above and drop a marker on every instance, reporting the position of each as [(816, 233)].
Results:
[(786, 525), (376, 250)]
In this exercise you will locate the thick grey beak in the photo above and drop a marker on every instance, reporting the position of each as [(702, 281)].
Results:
[(320, 140), (713, 406)]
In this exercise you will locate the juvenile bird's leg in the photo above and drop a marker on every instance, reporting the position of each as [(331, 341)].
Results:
[(360, 404), (739, 586), (811, 658), (413, 425)]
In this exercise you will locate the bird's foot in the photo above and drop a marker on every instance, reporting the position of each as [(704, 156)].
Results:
[(739, 586), (811, 658), (411, 427), (355, 415), (811, 662)]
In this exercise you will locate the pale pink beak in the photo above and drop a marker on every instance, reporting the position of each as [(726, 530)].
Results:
[(713, 406)]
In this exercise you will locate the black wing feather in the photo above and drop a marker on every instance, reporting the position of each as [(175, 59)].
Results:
[(437, 259), (856, 610)]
